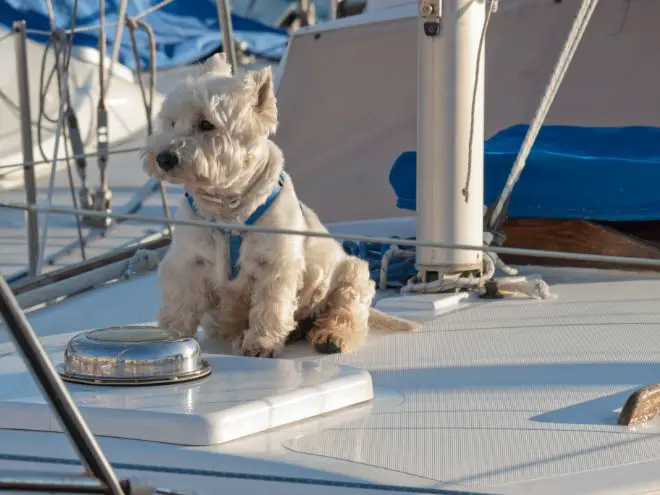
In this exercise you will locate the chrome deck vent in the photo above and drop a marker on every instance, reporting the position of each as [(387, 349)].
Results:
[(132, 355)]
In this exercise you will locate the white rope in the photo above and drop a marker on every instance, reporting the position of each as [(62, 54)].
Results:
[(568, 51), (63, 51), (529, 286), (144, 260), (394, 250), (535, 288), (540, 253), (63, 76), (492, 7), (509, 270), (116, 46)]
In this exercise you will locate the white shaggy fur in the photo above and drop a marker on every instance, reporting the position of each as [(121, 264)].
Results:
[(229, 165)]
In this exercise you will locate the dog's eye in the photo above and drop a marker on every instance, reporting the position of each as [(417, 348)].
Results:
[(205, 125)]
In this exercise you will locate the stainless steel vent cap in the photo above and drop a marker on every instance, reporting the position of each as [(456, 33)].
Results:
[(132, 355)]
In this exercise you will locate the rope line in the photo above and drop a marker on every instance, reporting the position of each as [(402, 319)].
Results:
[(43, 89), (492, 7), (561, 67), (63, 50), (63, 53), (621, 260), (62, 78), (116, 46), (132, 25)]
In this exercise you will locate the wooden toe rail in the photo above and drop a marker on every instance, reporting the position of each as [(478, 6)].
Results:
[(642, 406)]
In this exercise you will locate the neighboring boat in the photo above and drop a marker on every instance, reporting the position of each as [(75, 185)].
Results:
[(90, 184), (122, 99), (196, 39)]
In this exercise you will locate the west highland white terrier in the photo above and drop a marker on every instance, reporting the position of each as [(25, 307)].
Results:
[(251, 288)]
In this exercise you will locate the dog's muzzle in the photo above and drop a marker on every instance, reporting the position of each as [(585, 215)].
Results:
[(167, 160)]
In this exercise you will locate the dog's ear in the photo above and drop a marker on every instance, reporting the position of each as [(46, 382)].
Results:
[(216, 64), (264, 101)]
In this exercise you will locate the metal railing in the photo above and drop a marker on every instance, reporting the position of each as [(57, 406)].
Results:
[(36, 243)]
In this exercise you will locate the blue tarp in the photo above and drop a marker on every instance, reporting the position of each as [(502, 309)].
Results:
[(606, 174), (186, 30)]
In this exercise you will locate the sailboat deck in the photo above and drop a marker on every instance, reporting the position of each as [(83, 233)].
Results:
[(498, 395)]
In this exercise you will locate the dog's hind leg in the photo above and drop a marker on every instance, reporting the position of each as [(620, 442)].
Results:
[(343, 323)]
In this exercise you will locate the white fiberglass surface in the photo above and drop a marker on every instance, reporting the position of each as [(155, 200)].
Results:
[(511, 391), (241, 397), (492, 392)]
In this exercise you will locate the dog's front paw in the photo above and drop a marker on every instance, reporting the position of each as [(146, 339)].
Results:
[(252, 344), (326, 342), (334, 340)]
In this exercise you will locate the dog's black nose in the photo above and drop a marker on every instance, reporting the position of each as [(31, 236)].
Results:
[(167, 160)]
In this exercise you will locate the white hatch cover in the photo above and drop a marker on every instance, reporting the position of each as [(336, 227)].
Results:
[(241, 396)]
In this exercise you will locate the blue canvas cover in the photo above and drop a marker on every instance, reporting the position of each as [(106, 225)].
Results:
[(606, 174), (186, 30)]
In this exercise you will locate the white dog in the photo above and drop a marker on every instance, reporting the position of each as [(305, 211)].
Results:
[(254, 288)]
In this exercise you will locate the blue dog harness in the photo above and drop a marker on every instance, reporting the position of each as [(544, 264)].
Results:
[(234, 240)]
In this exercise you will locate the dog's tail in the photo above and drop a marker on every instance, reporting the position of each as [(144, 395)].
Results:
[(380, 321)]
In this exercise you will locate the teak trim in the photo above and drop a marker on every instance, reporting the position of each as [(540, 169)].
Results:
[(642, 406)]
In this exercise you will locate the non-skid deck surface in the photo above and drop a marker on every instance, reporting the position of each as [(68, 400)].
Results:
[(511, 391), (492, 393)]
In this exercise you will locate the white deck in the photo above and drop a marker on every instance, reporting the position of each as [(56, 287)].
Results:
[(504, 396)]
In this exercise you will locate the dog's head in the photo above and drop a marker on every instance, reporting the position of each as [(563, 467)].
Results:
[(213, 129)]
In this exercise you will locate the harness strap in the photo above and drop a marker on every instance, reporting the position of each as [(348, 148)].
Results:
[(235, 239)]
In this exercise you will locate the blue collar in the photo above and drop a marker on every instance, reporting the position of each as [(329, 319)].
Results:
[(235, 240)]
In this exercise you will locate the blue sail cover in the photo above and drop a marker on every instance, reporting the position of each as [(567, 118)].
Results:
[(606, 174), (186, 30)]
